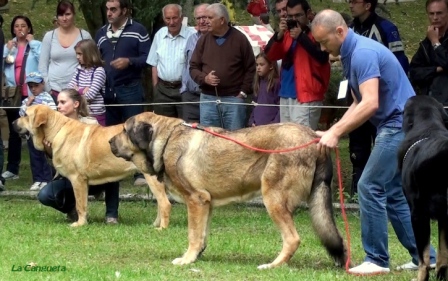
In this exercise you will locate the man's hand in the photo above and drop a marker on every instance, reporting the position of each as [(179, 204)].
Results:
[(295, 32), (212, 79), (282, 27), (433, 34), (328, 141), (120, 63)]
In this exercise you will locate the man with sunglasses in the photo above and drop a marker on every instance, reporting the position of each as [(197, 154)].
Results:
[(305, 73)]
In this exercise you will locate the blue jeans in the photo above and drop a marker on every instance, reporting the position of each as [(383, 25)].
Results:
[(14, 142), (233, 116), (125, 94), (381, 198), (41, 171)]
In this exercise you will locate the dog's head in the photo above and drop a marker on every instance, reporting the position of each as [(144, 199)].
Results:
[(134, 143), (421, 110), (33, 123)]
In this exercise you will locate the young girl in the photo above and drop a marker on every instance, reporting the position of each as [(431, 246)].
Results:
[(90, 77), (266, 88)]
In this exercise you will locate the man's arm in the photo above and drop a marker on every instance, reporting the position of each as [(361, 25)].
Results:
[(154, 75), (249, 67), (312, 49), (358, 113), (196, 63), (144, 45), (421, 70)]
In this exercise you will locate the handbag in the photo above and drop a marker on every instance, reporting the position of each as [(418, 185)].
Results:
[(12, 95), (257, 7)]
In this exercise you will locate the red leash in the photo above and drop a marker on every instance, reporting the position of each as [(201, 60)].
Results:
[(316, 140)]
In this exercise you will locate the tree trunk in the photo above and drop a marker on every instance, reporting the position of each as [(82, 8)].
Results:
[(94, 12)]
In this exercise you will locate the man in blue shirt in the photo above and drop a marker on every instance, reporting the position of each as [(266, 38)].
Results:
[(380, 89)]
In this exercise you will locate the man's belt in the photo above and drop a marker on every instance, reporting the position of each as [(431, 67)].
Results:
[(173, 85)]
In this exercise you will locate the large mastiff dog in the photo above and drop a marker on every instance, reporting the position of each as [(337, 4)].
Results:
[(205, 171), (82, 154), (423, 158)]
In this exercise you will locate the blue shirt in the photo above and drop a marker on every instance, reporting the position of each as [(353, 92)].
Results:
[(188, 85), (288, 82), (364, 59)]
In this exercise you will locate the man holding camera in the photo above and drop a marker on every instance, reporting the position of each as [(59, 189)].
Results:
[(305, 68)]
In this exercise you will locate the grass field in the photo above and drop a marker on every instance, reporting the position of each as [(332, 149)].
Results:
[(241, 238)]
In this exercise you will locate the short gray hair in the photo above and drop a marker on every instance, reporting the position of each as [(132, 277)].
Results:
[(200, 5), (179, 8), (328, 19), (220, 10)]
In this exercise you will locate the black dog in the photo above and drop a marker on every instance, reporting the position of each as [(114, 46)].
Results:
[(423, 160)]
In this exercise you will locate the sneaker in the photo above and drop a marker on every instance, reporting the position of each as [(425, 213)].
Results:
[(412, 266), (368, 268), (72, 216), (140, 182), (35, 186), (42, 185), (9, 175), (110, 220)]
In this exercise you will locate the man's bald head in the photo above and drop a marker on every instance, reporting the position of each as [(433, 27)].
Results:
[(329, 20)]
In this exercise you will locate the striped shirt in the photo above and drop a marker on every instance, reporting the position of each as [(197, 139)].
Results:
[(167, 53), (188, 85), (43, 98), (95, 79)]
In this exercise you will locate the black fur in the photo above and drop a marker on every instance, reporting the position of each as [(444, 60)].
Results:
[(423, 160)]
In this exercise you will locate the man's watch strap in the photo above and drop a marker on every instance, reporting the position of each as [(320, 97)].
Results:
[(243, 94)]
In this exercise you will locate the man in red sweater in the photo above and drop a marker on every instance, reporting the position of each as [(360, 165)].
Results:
[(223, 65)]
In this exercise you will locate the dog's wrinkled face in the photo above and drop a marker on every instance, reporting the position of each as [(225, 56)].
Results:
[(423, 108), (134, 144), (36, 116)]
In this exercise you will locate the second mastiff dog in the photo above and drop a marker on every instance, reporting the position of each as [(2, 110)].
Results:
[(205, 171), (80, 152)]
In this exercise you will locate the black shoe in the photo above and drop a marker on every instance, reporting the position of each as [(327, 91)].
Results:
[(72, 216), (2, 184)]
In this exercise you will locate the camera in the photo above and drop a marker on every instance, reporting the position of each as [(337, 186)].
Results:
[(291, 23)]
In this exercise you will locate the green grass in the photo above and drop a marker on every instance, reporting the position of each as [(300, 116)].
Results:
[(241, 239)]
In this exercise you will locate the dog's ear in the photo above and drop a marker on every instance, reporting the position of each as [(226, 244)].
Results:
[(40, 116), (140, 134)]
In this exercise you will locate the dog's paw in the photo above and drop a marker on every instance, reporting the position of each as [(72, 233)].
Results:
[(77, 224), (265, 266), (178, 261)]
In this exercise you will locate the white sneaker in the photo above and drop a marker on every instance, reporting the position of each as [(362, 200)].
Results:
[(42, 184), (140, 182), (8, 175), (368, 268), (412, 266), (35, 186)]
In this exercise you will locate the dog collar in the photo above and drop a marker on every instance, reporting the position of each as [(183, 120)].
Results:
[(412, 146)]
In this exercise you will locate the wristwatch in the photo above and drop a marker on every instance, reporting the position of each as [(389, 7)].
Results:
[(436, 45), (243, 94)]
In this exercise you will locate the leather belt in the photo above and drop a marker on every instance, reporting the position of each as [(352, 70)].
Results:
[(173, 85)]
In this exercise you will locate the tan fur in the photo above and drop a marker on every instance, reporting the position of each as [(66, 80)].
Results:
[(81, 153), (204, 171)]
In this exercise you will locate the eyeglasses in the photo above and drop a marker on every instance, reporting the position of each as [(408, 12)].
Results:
[(200, 18), (352, 2), (295, 16)]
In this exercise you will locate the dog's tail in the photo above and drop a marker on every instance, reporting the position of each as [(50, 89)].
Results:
[(321, 210)]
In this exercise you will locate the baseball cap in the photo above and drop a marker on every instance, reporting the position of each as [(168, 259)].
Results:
[(34, 77)]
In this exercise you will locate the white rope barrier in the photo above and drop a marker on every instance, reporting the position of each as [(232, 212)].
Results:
[(200, 102)]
